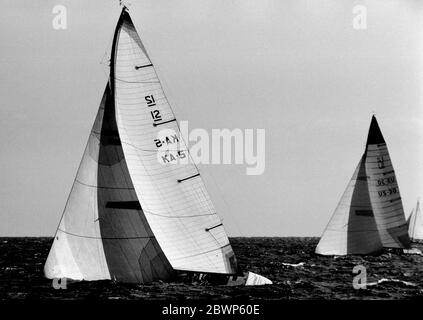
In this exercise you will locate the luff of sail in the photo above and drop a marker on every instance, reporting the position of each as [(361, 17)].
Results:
[(172, 194), (415, 226), (103, 233), (370, 214)]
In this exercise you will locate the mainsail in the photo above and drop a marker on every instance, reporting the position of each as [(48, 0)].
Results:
[(415, 224), (370, 214), (136, 211)]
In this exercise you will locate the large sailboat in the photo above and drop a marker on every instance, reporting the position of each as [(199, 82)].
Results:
[(370, 215), (415, 224), (138, 210)]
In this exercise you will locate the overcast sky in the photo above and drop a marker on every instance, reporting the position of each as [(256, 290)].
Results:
[(296, 68)]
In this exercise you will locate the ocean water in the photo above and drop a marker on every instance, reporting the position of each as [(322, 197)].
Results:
[(297, 273)]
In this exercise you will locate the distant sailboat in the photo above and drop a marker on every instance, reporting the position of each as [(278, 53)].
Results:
[(136, 214), (415, 224), (370, 214)]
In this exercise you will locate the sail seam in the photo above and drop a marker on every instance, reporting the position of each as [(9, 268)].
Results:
[(105, 238), (101, 187), (353, 230), (199, 254), (135, 81), (150, 150), (191, 216)]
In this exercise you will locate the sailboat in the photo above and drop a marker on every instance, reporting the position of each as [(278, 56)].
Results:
[(136, 212), (370, 214), (415, 224)]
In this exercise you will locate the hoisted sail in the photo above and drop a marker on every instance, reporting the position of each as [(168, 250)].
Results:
[(369, 215), (134, 214), (172, 194), (384, 192), (103, 233), (415, 225), (352, 228)]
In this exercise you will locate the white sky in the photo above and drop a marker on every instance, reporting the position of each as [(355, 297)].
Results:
[(296, 68)]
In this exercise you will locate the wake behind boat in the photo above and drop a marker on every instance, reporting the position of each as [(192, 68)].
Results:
[(135, 213)]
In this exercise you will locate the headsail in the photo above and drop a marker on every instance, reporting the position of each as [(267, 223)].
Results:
[(172, 194), (103, 233), (352, 228), (370, 214), (415, 227)]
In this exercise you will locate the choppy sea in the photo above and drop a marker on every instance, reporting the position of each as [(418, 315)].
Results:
[(296, 272)]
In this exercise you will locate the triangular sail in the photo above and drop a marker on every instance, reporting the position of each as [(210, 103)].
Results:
[(103, 233), (352, 228), (384, 192), (370, 215), (409, 219), (415, 226), (172, 194)]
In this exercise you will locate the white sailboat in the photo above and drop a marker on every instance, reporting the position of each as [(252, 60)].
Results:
[(137, 212), (370, 214), (415, 224)]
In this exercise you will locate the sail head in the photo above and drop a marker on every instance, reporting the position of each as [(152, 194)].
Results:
[(375, 135)]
